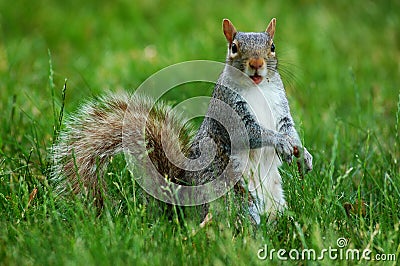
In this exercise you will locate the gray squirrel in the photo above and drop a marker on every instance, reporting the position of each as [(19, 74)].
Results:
[(249, 84)]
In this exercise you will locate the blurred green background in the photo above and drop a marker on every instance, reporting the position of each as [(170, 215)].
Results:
[(339, 59)]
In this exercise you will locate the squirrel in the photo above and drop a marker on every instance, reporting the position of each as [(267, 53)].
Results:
[(249, 84)]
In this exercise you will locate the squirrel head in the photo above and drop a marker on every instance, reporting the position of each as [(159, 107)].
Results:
[(252, 53)]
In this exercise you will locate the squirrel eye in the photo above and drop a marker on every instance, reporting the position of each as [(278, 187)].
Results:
[(234, 48), (272, 48)]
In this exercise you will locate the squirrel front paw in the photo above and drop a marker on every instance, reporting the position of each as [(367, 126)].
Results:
[(307, 159), (284, 146)]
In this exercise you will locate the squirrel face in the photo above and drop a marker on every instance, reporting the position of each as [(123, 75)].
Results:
[(252, 53)]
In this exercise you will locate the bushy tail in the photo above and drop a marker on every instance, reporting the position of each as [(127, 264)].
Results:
[(95, 133)]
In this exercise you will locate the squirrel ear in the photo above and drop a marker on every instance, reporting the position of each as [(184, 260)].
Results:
[(229, 30), (271, 28)]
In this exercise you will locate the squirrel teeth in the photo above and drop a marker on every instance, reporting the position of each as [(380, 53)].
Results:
[(256, 79)]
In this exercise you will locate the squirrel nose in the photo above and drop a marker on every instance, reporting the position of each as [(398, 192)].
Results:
[(256, 63)]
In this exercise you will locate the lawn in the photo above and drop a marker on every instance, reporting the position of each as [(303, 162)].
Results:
[(339, 61)]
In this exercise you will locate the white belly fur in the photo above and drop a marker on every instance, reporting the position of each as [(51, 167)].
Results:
[(263, 178)]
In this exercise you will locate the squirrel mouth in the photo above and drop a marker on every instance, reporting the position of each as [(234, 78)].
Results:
[(256, 78)]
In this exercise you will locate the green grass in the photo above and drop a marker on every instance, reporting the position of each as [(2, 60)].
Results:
[(340, 60)]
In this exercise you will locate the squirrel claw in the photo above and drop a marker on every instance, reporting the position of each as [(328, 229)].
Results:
[(306, 166), (296, 152)]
